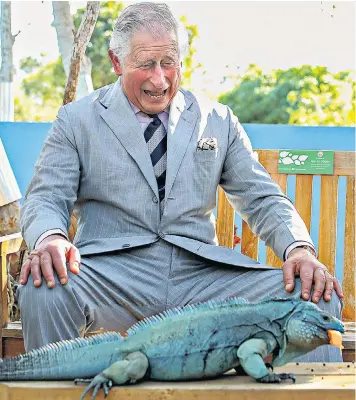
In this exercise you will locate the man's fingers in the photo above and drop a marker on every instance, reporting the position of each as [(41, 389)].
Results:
[(47, 269), (337, 288), (319, 284), (74, 260), (36, 271), (329, 286), (59, 264), (289, 275), (306, 278), (25, 271)]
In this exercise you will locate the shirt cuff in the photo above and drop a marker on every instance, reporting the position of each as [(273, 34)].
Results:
[(49, 233), (295, 245)]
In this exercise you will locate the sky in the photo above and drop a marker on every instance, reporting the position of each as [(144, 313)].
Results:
[(233, 34)]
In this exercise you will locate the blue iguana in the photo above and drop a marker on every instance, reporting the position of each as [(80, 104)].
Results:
[(193, 342)]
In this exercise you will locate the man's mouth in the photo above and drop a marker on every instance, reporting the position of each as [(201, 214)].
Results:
[(155, 95)]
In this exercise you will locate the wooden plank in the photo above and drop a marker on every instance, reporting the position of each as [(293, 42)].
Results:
[(348, 341), (10, 237), (249, 242), (271, 258), (349, 253), (225, 221), (303, 197), (330, 382), (328, 218), (344, 162), (13, 347), (13, 330), (3, 289)]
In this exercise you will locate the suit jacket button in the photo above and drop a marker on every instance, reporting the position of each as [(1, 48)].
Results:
[(161, 234), (154, 199)]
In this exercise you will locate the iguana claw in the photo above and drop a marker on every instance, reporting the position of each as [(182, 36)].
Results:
[(269, 366), (276, 378), (97, 383)]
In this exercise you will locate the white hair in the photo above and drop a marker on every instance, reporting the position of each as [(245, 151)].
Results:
[(154, 17)]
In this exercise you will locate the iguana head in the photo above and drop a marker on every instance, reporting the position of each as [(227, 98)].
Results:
[(306, 328)]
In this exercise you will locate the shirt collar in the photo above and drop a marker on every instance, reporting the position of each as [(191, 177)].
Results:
[(136, 110)]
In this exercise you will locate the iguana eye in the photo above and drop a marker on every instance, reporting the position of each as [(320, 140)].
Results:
[(326, 318)]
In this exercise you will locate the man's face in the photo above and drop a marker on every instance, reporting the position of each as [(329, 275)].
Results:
[(151, 72)]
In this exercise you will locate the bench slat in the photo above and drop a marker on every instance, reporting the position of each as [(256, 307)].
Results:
[(271, 258), (225, 225), (303, 197), (328, 218), (349, 252), (314, 381), (249, 242)]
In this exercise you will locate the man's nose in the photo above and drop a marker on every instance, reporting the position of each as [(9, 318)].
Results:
[(158, 78)]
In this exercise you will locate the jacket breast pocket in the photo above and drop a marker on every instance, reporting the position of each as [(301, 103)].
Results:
[(206, 155)]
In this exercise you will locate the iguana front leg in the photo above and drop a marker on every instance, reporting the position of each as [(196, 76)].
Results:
[(251, 354), (129, 370)]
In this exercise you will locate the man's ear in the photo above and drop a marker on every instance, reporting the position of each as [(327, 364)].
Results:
[(115, 63)]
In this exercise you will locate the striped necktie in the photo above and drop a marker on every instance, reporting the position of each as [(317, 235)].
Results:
[(156, 138)]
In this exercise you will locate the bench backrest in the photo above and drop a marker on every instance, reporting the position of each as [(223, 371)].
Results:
[(329, 206)]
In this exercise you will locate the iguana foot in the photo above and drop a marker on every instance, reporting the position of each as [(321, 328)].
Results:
[(98, 382), (240, 371), (276, 378)]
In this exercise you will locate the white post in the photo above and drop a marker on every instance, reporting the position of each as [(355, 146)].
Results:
[(6, 66)]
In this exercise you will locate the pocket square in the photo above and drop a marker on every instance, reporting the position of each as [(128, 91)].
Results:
[(207, 143)]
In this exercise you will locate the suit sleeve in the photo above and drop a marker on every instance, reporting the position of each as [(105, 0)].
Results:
[(256, 197), (52, 192)]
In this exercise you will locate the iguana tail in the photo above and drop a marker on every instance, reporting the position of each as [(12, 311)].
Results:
[(77, 358)]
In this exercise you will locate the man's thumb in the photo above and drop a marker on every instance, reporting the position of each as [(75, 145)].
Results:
[(74, 259)]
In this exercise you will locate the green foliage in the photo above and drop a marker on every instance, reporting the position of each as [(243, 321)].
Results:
[(189, 63), (43, 92), (303, 95), (28, 64)]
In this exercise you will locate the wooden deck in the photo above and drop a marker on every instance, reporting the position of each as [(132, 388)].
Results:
[(331, 381)]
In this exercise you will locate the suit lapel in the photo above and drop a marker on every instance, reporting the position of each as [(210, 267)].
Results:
[(119, 116), (180, 129)]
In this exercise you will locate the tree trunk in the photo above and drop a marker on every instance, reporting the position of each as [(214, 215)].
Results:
[(7, 69), (81, 40), (64, 25)]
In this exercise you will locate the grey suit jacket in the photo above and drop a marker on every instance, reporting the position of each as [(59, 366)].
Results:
[(95, 159)]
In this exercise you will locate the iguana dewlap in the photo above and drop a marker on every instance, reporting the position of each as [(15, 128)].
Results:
[(193, 342)]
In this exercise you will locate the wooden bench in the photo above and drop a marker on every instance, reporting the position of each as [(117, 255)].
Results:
[(11, 334), (313, 381), (344, 166)]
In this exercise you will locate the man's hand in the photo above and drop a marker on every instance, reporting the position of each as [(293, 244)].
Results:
[(301, 262), (51, 256)]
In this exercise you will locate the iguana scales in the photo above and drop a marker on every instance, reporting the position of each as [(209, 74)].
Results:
[(193, 342)]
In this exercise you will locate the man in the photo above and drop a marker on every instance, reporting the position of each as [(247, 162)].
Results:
[(141, 161)]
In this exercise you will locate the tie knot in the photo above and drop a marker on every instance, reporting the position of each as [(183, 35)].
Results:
[(156, 120)]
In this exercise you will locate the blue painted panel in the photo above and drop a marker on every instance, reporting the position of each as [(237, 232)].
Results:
[(23, 142), (265, 136)]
